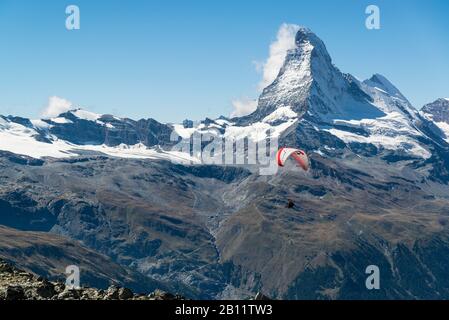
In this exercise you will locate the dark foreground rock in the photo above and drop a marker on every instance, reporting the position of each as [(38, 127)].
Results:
[(16, 284)]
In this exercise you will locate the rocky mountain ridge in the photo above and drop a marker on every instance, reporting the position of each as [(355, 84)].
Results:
[(377, 193), (17, 284)]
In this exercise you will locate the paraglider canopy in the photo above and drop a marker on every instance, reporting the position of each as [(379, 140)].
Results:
[(300, 156)]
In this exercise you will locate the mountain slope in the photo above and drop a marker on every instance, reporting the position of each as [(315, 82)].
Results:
[(17, 284), (377, 192), (48, 255), (438, 112), (309, 82)]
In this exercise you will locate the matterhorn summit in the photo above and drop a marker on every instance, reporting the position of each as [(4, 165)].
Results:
[(309, 83)]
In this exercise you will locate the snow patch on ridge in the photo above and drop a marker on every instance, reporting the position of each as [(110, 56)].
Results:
[(40, 124), (61, 120), (445, 128), (391, 132), (259, 131), (280, 114), (20, 140), (272, 125), (86, 115), (184, 133), (379, 89), (139, 151), (392, 124), (391, 143)]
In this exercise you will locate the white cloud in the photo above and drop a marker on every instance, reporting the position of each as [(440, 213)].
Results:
[(285, 41), (243, 107), (56, 106)]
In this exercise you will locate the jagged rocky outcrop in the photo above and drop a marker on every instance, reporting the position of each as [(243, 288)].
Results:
[(17, 284), (438, 110), (81, 127)]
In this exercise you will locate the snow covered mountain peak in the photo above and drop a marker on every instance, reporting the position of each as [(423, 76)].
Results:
[(387, 97), (372, 115), (311, 104), (310, 83), (438, 112), (305, 38), (383, 84), (86, 115), (78, 114)]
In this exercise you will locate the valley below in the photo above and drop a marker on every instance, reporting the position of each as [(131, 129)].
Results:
[(111, 196), (224, 233)]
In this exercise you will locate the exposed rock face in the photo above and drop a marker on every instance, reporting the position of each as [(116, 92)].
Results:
[(96, 130), (16, 284), (438, 113), (48, 255), (309, 82), (438, 110), (377, 194), (228, 241), (113, 132), (155, 218)]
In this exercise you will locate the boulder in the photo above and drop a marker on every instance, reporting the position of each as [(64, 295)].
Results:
[(14, 293)]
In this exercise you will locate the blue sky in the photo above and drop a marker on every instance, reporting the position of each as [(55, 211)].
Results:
[(172, 60)]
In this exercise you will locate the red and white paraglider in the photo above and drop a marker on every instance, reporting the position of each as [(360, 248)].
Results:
[(298, 155)]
